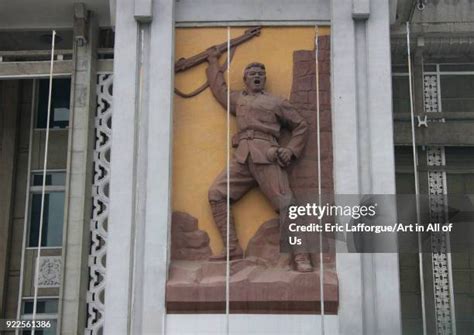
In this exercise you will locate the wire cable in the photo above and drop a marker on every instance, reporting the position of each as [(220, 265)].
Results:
[(227, 268), (417, 188), (318, 132), (43, 187)]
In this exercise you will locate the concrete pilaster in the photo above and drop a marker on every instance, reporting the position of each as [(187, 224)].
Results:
[(364, 157), (137, 254), (72, 318), (122, 189)]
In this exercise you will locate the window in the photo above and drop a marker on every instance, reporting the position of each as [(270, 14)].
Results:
[(53, 214), (457, 93), (401, 94), (60, 100), (52, 179), (46, 309), (453, 88)]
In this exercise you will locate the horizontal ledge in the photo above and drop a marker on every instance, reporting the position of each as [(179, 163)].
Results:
[(19, 70), (241, 23), (253, 307), (33, 53), (436, 116), (450, 170), (34, 69)]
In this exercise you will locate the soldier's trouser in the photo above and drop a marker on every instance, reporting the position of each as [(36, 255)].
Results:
[(271, 178), (273, 182)]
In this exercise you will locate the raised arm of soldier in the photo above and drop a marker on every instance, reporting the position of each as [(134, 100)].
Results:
[(217, 84)]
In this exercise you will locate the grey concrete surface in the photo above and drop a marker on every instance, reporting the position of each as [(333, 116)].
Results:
[(242, 11), (137, 256), (73, 293), (123, 173), (363, 160)]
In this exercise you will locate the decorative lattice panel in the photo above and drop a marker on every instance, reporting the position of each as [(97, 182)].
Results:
[(431, 93), (439, 245), (100, 211)]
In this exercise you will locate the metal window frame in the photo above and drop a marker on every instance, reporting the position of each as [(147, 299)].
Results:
[(32, 130), (37, 190), (35, 118)]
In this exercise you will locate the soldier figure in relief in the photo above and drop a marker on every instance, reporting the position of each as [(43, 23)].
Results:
[(258, 160)]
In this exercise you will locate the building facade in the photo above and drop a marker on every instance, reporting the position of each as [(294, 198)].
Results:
[(109, 149)]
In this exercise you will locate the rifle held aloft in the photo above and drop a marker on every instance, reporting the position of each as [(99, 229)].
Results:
[(185, 63)]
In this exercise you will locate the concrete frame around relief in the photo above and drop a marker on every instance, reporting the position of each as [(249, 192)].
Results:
[(137, 254), (250, 324), (358, 314), (242, 12)]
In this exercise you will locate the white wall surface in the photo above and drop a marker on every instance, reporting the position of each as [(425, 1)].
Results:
[(249, 324)]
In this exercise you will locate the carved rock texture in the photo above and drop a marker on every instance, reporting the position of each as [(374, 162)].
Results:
[(262, 282), (187, 241), (265, 243)]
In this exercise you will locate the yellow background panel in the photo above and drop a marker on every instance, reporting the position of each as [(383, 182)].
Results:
[(200, 131)]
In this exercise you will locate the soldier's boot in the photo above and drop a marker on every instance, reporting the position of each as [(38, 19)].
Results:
[(219, 212), (302, 262)]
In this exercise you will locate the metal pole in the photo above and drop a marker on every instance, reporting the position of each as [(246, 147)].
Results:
[(318, 132), (43, 193), (227, 268), (417, 190)]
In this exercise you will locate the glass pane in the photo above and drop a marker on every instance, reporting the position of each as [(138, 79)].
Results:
[(457, 93), (429, 68), (60, 100), (53, 218), (52, 179), (399, 68), (457, 67), (49, 331), (43, 306), (401, 94)]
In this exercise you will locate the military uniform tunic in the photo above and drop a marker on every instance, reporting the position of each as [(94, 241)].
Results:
[(260, 118)]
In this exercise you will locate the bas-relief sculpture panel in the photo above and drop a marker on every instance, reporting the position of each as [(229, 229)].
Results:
[(282, 75)]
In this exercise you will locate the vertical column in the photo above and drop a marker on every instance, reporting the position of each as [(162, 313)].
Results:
[(72, 318), (364, 157), (345, 142), (159, 165), (137, 255), (385, 298), (123, 171), (9, 107)]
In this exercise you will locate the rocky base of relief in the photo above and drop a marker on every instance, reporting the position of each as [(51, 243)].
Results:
[(262, 282)]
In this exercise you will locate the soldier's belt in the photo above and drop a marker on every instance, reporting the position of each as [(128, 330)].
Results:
[(251, 134)]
